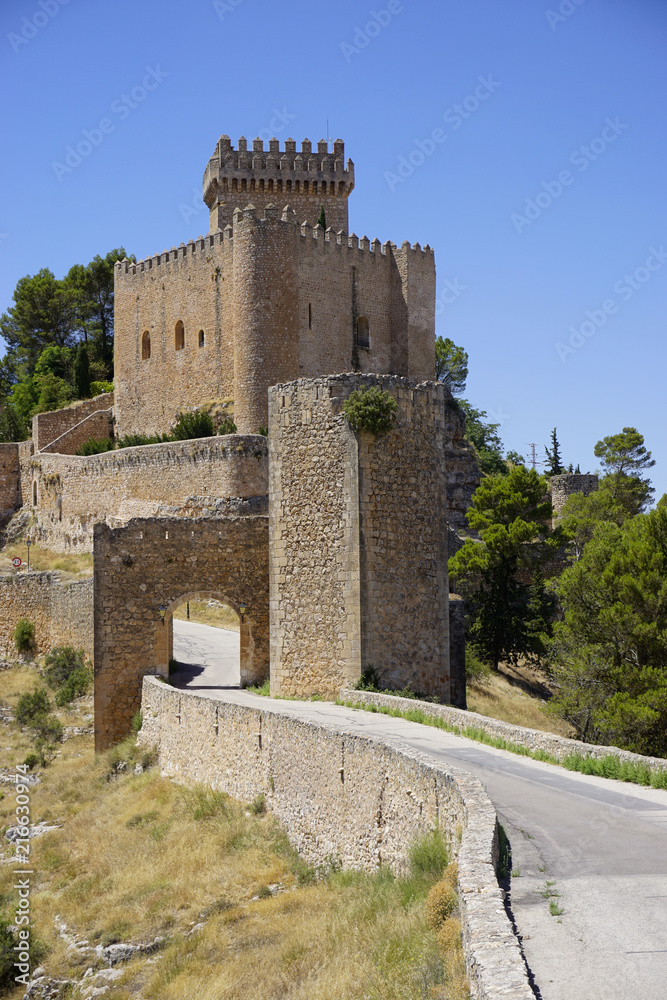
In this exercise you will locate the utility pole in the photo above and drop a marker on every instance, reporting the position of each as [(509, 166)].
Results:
[(533, 460)]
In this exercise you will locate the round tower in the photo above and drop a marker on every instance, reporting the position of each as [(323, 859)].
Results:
[(307, 181)]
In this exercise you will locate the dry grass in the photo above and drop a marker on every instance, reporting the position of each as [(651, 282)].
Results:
[(517, 695), (138, 856), (79, 564), (217, 614)]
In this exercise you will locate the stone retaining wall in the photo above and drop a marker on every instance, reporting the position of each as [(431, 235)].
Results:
[(96, 426), (349, 796), (534, 739), (61, 612), (46, 427)]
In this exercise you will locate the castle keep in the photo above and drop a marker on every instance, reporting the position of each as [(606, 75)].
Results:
[(333, 542)]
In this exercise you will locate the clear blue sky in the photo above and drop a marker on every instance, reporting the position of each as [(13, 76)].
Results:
[(560, 103)]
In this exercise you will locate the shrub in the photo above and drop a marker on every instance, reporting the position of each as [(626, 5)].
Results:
[(428, 856), (264, 431), (100, 386), (24, 636), (31, 705), (135, 440), (32, 760), (371, 410), (227, 426), (196, 424), (96, 446), (60, 663), (476, 669), (48, 729), (442, 899), (258, 805), (137, 721), (76, 685), (369, 680)]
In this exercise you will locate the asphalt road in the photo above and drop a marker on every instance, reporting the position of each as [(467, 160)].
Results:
[(208, 657), (600, 845)]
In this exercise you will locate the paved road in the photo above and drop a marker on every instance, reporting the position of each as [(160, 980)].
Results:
[(208, 657), (601, 844)]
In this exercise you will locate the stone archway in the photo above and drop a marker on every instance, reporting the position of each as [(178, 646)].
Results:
[(152, 563), (244, 672)]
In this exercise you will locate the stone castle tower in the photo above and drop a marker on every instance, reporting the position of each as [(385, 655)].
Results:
[(267, 296)]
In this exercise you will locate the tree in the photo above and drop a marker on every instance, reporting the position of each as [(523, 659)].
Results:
[(451, 365), (624, 457), (609, 653), (554, 458), (42, 314), (321, 218), (82, 373), (485, 440), (500, 576)]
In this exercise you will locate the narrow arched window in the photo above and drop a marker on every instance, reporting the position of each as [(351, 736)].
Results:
[(310, 316), (202, 338), (145, 346), (34, 493), (179, 336), (363, 334)]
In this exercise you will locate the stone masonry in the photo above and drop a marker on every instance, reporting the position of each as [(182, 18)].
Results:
[(563, 487), (154, 563), (61, 612), (47, 427), (358, 549)]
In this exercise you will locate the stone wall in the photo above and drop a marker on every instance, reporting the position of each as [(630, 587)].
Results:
[(74, 493), (46, 427), (457, 651), (463, 472), (62, 612), (96, 426), (265, 302), (10, 480), (350, 797), (358, 552), (162, 562), (533, 739), (562, 487)]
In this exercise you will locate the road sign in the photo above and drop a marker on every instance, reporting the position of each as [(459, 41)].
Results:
[(16, 562)]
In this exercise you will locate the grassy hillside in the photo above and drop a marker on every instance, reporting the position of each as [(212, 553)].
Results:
[(518, 695), (135, 857)]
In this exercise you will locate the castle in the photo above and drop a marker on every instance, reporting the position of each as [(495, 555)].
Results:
[(334, 541)]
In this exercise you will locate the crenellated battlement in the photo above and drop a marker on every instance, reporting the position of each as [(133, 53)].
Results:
[(327, 239), (236, 176)]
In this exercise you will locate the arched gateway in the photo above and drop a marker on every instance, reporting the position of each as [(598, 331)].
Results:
[(142, 572)]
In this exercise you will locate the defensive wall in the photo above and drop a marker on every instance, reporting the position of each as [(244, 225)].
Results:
[(10, 480), (309, 180), (62, 612), (350, 797), (358, 539), (71, 493), (152, 564), (264, 302), (47, 427)]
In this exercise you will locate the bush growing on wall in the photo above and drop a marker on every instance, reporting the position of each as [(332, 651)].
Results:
[(67, 674), (371, 410), (24, 636), (197, 424)]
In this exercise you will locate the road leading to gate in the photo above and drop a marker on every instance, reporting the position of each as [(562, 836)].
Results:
[(208, 657), (600, 845)]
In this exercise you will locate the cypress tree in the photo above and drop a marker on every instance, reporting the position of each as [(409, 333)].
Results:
[(82, 373), (321, 218)]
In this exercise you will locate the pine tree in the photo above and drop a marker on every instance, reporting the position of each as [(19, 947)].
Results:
[(554, 457), (82, 373), (321, 218)]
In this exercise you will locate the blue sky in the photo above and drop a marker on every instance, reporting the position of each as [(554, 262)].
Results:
[(543, 191)]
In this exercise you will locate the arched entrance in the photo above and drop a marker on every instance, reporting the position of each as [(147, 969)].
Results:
[(204, 641), (144, 571)]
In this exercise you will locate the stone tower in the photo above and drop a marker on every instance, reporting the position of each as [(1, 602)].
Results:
[(306, 180)]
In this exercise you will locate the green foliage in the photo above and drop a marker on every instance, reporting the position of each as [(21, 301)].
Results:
[(196, 424), (13, 425), (370, 409), (137, 721), (48, 730), (99, 386), (24, 636), (504, 863), (624, 457), (264, 431), (609, 653), (485, 439), (258, 805), (451, 365), (227, 426), (31, 705), (476, 668), (135, 440), (96, 446), (428, 856), (82, 373), (321, 218), (581, 514), (32, 760), (60, 663), (509, 609), (554, 458), (77, 684), (8, 942), (369, 680)]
